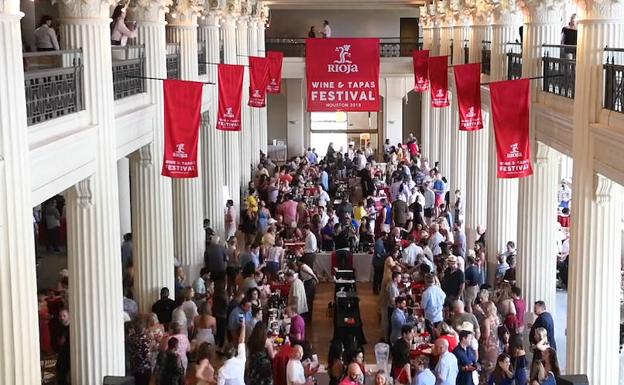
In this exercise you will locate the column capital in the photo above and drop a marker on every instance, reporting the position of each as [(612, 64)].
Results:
[(184, 13), (542, 11), (79, 9), (600, 9), (604, 189), (149, 10), (10, 7), (210, 19), (543, 153), (504, 12)]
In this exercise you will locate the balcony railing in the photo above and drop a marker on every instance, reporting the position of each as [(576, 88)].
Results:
[(614, 79), (201, 57), (128, 61), (53, 84), (388, 47), (559, 69), (514, 61), (466, 52), (486, 57), (173, 61)]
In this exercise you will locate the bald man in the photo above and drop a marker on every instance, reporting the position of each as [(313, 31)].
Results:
[(446, 370), (354, 375), (295, 373)]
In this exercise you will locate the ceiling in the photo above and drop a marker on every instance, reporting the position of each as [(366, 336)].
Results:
[(344, 4)]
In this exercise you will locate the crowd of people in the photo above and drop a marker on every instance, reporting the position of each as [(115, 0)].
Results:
[(246, 318)]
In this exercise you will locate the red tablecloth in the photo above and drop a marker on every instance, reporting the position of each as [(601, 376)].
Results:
[(564, 220), (280, 361), (334, 261), (282, 287)]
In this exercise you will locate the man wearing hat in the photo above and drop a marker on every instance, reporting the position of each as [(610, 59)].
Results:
[(466, 356), (453, 281)]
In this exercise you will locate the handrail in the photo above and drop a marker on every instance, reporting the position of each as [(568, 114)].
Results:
[(607, 49), (52, 53), (33, 74), (558, 46), (303, 38)]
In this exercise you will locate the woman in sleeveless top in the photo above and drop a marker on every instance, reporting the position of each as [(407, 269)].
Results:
[(205, 326)]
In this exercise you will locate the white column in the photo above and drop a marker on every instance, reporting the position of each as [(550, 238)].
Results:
[(242, 50), (264, 134), (212, 139), (123, 186), (444, 144), (393, 109), (476, 179), (502, 215), (254, 115), (95, 298), (295, 115), (151, 193), (457, 175), (425, 97), (19, 336), (188, 234), (594, 278), (231, 139), (537, 228)]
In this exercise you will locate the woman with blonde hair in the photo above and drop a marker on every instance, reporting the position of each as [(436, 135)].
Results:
[(205, 326), (155, 332), (489, 343)]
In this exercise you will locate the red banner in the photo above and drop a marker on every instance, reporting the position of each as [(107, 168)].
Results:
[(467, 83), (183, 101), (342, 74), (438, 77), (258, 81), (511, 102), (230, 97), (275, 71), (421, 70)]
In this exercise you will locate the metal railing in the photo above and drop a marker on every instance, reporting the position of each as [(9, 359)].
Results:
[(388, 47), (128, 60), (451, 46), (514, 61), (614, 79), (201, 57), (486, 57), (466, 52), (559, 69), (53, 84), (173, 61)]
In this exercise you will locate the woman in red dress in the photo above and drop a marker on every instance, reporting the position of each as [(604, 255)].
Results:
[(45, 340)]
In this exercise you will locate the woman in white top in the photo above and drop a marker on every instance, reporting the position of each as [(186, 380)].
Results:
[(119, 32), (205, 326), (45, 37)]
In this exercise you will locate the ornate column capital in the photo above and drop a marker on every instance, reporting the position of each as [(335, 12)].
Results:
[(210, 19), (542, 11), (10, 7), (84, 9), (184, 12), (601, 9), (149, 10), (504, 12)]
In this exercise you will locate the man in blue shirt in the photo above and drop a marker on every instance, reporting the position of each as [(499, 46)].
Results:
[(544, 320), (432, 301), (399, 318), (240, 313), (466, 358), (379, 258)]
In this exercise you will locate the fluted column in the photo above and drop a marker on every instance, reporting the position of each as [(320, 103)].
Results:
[(151, 192), (231, 138), (254, 113), (211, 138), (95, 298), (594, 278), (19, 335), (262, 124), (123, 175), (502, 215), (188, 234), (425, 97), (476, 179), (242, 52), (537, 228), (445, 139), (457, 175)]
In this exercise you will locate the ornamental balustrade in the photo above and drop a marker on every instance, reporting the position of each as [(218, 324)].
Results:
[(514, 61), (559, 69), (614, 79), (173, 60), (128, 66)]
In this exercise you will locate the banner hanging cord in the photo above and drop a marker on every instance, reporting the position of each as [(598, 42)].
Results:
[(531, 78), (151, 78)]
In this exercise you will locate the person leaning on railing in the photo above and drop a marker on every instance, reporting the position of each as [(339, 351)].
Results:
[(120, 33), (45, 37)]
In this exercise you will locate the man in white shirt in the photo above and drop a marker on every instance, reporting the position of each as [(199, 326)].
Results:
[(326, 29), (446, 370), (295, 373), (323, 197), (45, 37), (233, 370), (310, 246), (297, 295), (435, 239), (410, 253)]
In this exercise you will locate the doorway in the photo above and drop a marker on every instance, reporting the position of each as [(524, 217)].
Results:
[(409, 35)]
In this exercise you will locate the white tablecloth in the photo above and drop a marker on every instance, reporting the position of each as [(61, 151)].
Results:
[(361, 264)]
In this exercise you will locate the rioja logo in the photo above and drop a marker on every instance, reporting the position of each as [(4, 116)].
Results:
[(343, 64), (471, 113), (228, 112), (179, 152), (514, 152), (256, 94)]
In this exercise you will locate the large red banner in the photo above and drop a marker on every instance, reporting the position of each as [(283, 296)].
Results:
[(258, 80), (183, 101), (275, 71), (230, 97), (467, 83), (342, 74), (438, 78), (511, 100), (421, 70)]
